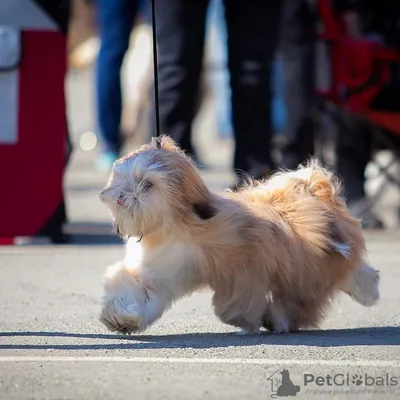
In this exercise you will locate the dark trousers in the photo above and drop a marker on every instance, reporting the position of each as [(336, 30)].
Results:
[(297, 51), (298, 32), (253, 28), (354, 149), (115, 19)]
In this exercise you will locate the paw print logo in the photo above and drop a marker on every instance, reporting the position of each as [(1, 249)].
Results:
[(356, 379)]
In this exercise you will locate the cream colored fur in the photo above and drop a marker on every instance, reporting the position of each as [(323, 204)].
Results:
[(274, 254)]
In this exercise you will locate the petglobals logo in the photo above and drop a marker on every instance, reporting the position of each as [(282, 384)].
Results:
[(350, 383), (348, 379), (282, 385)]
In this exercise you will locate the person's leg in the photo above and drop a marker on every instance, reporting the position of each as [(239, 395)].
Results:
[(145, 11), (352, 159), (115, 19), (220, 77), (297, 56), (354, 150), (253, 29), (180, 26)]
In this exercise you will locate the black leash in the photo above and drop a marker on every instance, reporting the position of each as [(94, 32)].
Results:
[(155, 66)]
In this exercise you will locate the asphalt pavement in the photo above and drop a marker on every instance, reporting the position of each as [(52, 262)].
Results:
[(52, 345)]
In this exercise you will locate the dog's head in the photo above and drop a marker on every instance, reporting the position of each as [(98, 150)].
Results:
[(155, 189)]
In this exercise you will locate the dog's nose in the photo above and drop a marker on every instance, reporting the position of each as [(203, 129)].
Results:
[(103, 194)]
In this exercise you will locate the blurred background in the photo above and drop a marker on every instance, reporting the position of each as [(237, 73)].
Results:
[(329, 75), (88, 221)]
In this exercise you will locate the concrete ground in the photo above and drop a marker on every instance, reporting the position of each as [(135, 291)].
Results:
[(52, 345)]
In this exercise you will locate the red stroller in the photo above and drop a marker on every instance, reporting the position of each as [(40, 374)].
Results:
[(361, 87)]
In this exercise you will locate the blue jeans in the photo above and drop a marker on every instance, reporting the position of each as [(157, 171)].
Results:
[(220, 78), (115, 19), (278, 105)]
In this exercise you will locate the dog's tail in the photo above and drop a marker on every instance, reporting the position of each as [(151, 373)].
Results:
[(363, 286), (319, 181), (309, 197), (310, 178)]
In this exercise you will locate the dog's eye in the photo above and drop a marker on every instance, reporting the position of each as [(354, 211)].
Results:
[(146, 185)]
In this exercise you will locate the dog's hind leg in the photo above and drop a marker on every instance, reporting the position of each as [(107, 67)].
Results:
[(247, 318), (363, 286), (245, 331), (276, 318), (285, 315), (248, 326)]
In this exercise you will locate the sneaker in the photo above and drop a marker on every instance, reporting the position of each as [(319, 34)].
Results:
[(371, 221), (361, 209), (105, 161)]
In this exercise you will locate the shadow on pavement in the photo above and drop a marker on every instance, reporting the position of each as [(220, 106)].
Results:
[(93, 240), (85, 188), (91, 234), (372, 336)]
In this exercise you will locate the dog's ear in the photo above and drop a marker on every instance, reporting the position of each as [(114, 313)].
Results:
[(156, 142), (204, 210), (165, 143)]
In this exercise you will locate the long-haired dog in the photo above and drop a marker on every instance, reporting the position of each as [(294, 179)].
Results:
[(275, 253)]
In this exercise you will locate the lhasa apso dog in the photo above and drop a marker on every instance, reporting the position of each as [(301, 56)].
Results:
[(274, 254)]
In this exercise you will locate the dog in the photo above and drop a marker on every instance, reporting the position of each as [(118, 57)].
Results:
[(275, 253)]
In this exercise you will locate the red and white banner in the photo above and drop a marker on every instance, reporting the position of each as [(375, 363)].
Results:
[(32, 118)]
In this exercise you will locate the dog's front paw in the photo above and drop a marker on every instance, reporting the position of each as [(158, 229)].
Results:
[(246, 332), (275, 319), (281, 325), (125, 324), (126, 320)]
